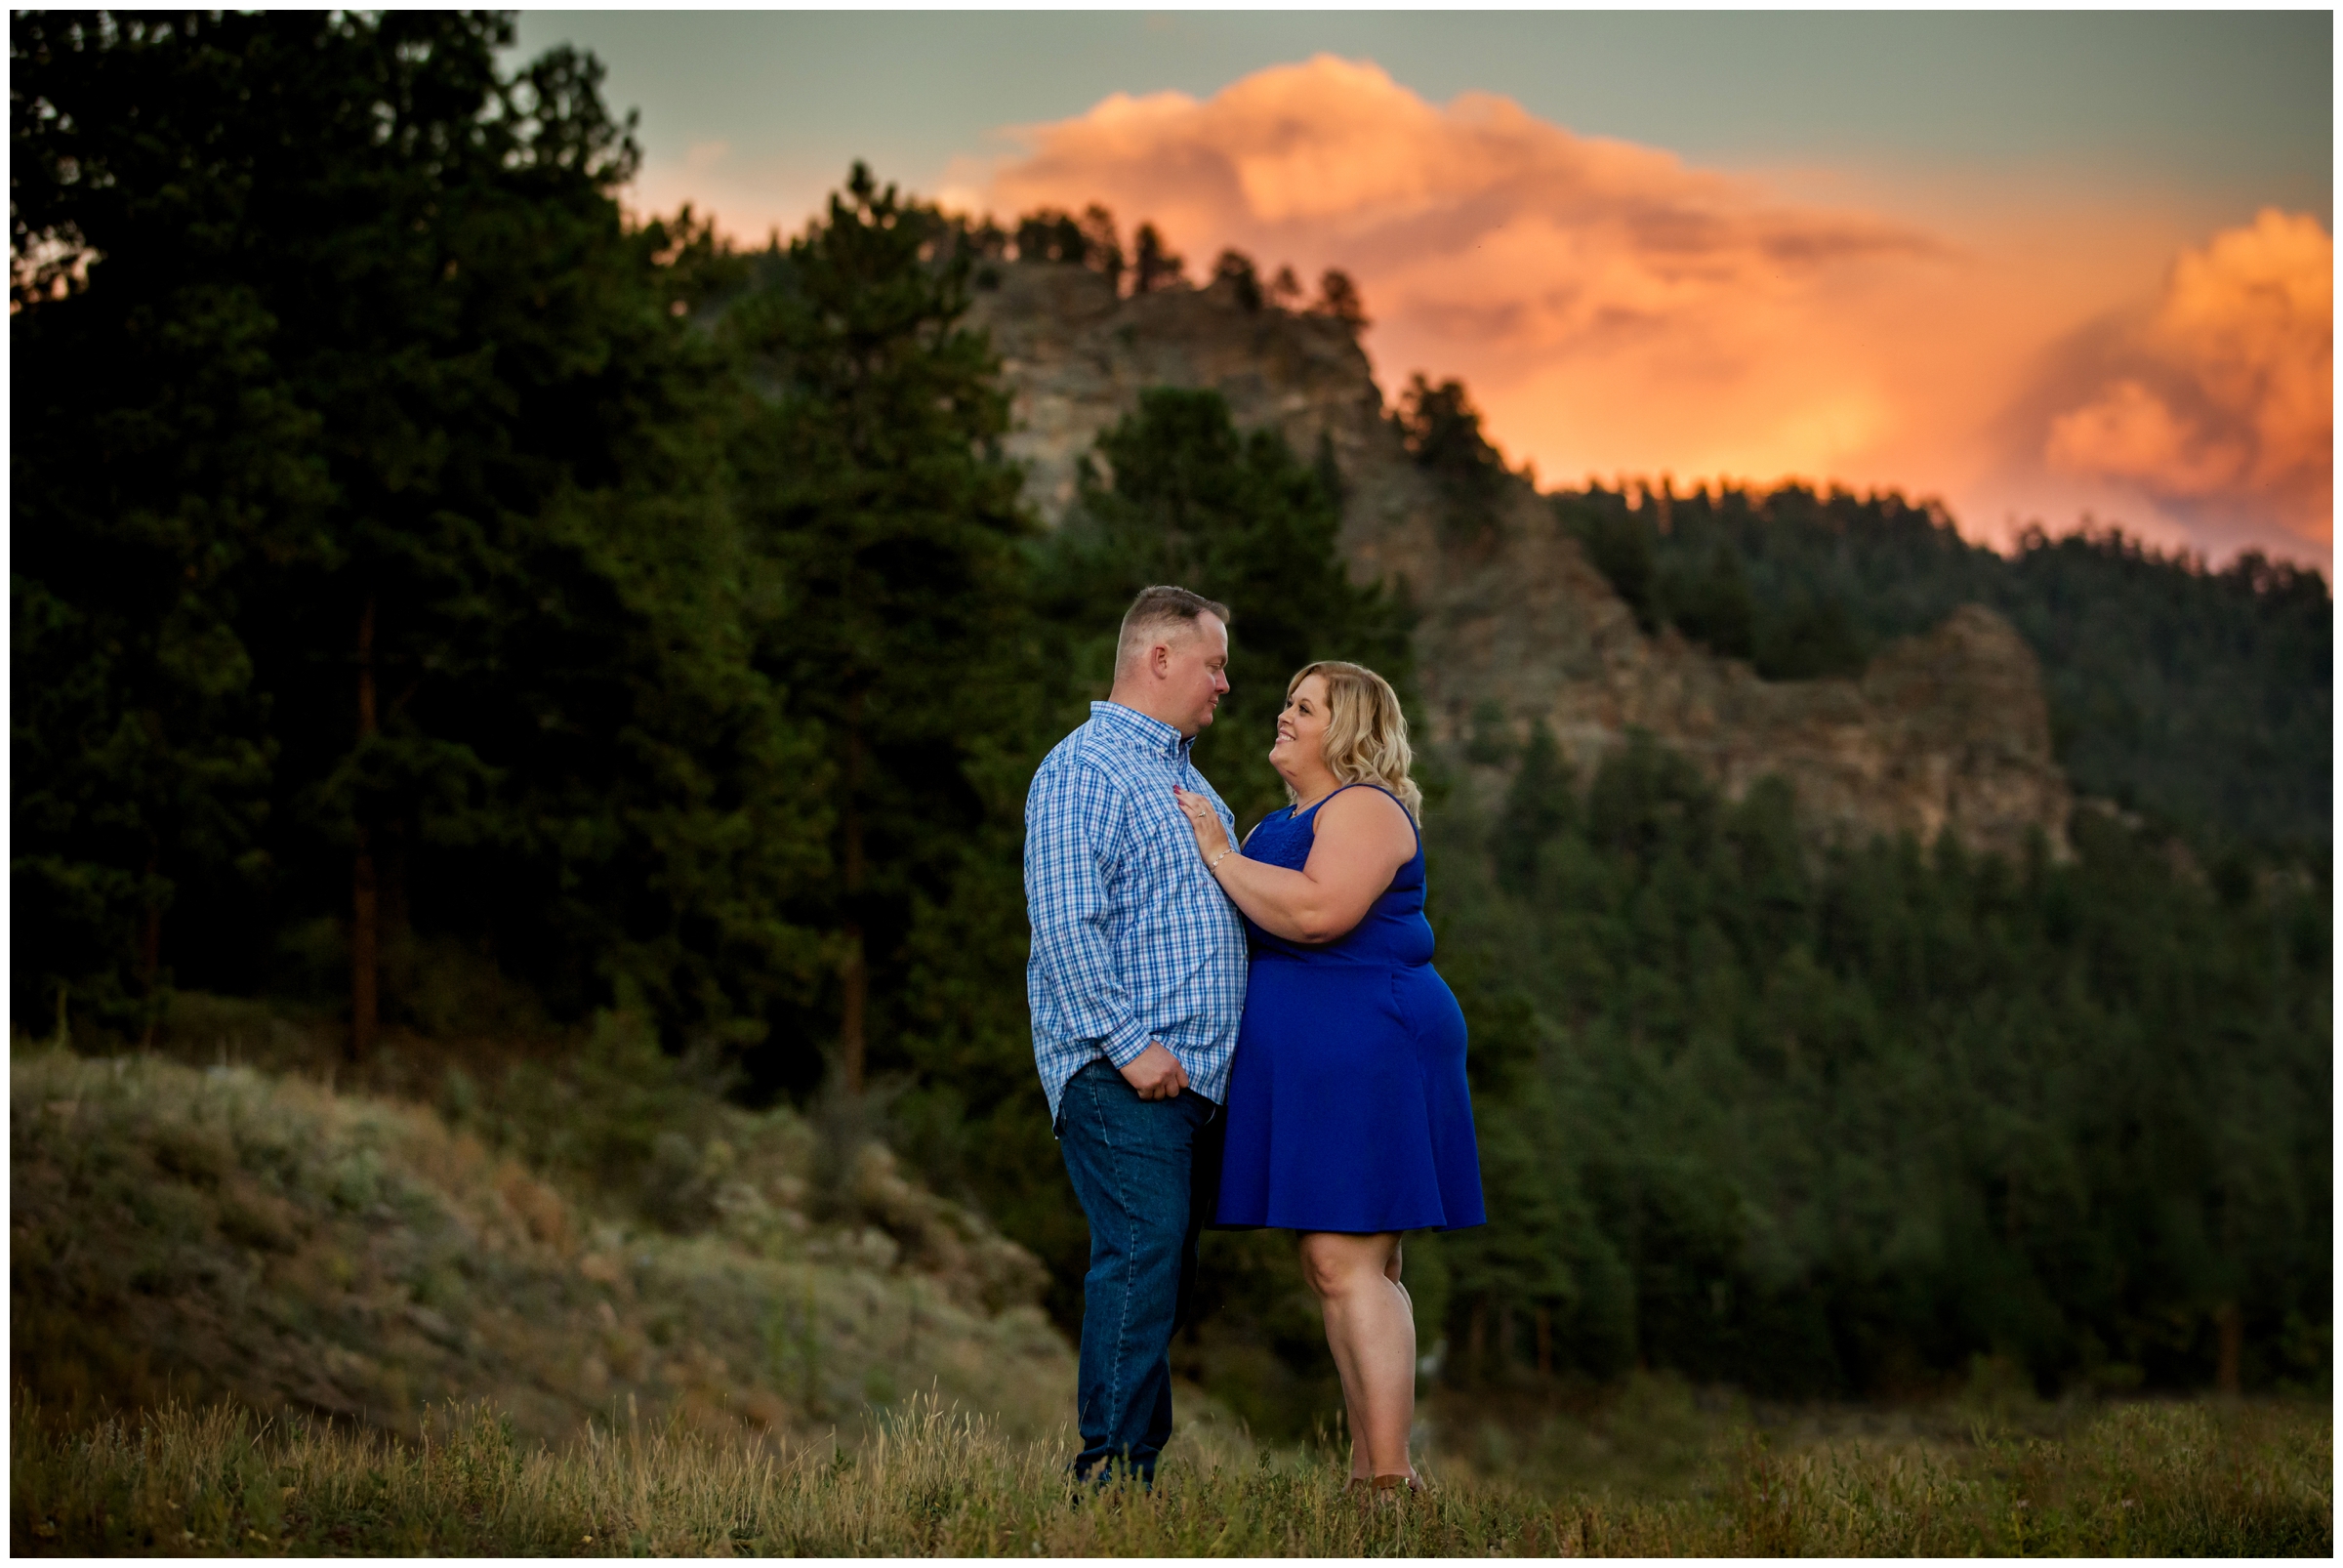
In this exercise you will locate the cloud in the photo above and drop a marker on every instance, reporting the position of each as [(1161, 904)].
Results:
[(1619, 310), (2222, 401), (1477, 221)]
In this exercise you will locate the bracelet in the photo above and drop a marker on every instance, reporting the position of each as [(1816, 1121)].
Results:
[(1213, 864)]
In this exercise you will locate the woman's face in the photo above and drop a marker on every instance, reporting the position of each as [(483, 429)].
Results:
[(1301, 748)]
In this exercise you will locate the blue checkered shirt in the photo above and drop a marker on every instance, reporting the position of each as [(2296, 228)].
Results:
[(1133, 940)]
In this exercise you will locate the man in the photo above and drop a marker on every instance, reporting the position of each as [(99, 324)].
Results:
[(1136, 984)]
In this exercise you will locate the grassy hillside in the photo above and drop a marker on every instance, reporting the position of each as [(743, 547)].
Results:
[(234, 1233)]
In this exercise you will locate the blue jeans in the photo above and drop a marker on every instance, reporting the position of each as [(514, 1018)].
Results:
[(1147, 1172)]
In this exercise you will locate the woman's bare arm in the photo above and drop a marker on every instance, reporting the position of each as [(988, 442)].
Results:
[(1362, 838)]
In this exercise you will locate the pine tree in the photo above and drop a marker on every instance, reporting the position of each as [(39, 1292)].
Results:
[(378, 519), (1237, 517), (871, 478), (1153, 266)]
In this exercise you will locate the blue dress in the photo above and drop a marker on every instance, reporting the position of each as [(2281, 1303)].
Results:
[(1347, 1108)]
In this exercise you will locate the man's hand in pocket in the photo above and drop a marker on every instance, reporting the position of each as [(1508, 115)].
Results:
[(1156, 1074)]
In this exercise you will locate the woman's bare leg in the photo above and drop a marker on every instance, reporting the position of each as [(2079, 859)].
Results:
[(1370, 1328)]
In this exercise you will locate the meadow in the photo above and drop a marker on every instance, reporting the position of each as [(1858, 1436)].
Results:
[(485, 1328), (2130, 1481)]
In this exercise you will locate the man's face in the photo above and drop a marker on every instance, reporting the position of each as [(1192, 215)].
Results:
[(1198, 676)]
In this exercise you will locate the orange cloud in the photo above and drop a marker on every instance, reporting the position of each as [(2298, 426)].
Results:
[(1619, 311), (2228, 399), (1481, 232)]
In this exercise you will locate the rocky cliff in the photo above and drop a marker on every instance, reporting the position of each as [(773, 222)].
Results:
[(1949, 730)]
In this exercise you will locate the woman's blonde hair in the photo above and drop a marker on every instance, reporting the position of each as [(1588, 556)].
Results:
[(1366, 733)]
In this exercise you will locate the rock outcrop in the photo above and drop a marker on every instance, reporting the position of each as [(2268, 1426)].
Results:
[(1949, 731)]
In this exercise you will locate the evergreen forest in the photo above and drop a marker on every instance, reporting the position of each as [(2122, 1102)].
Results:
[(2205, 699), (444, 604)]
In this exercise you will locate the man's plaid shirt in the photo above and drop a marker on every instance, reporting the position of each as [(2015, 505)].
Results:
[(1133, 940)]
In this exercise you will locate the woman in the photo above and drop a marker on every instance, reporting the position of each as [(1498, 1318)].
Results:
[(1349, 1119)]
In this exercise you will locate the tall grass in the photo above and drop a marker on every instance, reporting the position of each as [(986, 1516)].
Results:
[(2134, 1480)]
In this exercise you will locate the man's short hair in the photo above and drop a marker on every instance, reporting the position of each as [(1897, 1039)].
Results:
[(1155, 611)]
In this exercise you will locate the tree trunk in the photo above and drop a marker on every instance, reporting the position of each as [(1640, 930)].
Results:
[(857, 985), (1476, 1341), (151, 949), (854, 973), (1545, 1342), (363, 965), (150, 934), (2231, 1323), (364, 1008)]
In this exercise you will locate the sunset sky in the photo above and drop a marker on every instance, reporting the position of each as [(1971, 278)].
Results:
[(2037, 266)]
